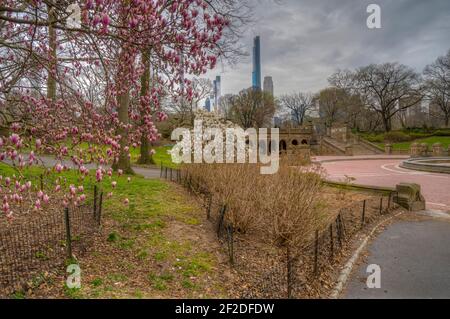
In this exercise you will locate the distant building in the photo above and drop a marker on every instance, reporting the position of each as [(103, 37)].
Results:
[(256, 75), (217, 92), (223, 108), (268, 85), (208, 104), (277, 121)]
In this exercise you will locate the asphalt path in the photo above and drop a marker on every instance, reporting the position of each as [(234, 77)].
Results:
[(413, 251), (414, 259), (47, 161)]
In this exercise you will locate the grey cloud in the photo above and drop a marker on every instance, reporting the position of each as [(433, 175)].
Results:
[(304, 41)]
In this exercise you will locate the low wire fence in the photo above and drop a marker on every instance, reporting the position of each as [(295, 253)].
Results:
[(42, 242), (273, 272)]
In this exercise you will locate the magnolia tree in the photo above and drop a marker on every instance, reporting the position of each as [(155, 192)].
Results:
[(132, 52)]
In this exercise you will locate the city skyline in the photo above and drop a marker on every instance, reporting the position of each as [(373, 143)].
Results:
[(256, 58), (306, 41), (268, 85)]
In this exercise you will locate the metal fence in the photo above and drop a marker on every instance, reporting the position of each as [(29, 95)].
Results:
[(283, 272), (42, 242)]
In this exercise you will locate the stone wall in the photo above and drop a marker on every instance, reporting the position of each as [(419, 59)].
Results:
[(340, 133), (423, 150)]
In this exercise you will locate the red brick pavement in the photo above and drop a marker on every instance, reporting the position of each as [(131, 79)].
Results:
[(382, 171)]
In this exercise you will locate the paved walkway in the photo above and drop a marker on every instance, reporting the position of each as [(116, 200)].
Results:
[(413, 253), (147, 172), (414, 259), (385, 171)]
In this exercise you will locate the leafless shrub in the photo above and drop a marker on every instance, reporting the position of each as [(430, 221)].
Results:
[(284, 207)]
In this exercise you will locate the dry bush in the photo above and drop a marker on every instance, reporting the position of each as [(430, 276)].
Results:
[(232, 185), (292, 206), (284, 208)]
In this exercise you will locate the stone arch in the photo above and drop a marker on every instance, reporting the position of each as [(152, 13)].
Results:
[(283, 146), (304, 142), (294, 142)]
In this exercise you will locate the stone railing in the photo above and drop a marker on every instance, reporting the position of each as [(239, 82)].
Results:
[(423, 150), (368, 145)]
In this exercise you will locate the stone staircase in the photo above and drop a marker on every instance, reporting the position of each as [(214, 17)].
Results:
[(331, 146), (354, 146)]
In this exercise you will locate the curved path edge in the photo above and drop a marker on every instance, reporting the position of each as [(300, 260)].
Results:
[(332, 159), (347, 269)]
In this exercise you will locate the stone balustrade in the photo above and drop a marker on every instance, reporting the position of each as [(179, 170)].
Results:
[(423, 150)]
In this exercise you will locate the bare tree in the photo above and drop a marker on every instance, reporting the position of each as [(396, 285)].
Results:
[(185, 109), (225, 104), (384, 88), (332, 102), (437, 86), (253, 108), (298, 104)]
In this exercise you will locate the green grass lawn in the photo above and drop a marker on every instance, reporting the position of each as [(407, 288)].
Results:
[(161, 155), (444, 140), (154, 247), (402, 140)]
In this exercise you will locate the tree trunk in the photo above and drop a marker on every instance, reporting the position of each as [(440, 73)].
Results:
[(387, 124), (145, 157), (51, 80), (123, 101)]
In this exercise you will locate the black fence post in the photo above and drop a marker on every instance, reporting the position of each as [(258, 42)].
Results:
[(95, 201), (99, 215), (221, 219), (316, 253), (289, 272), (183, 179), (165, 172), (68, 236), (208, 209), (191, 189), (171, 174), (161, 170), (363, 217), (389, 202), (338, 230), (342, 225), (331, 241), (230, 231)]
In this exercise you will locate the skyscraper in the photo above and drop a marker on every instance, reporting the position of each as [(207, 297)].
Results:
[(217, 91), (208, 104), (268, 85), (256, 75)]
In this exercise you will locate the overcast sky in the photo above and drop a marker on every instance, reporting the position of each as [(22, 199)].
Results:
[(305, 41)]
